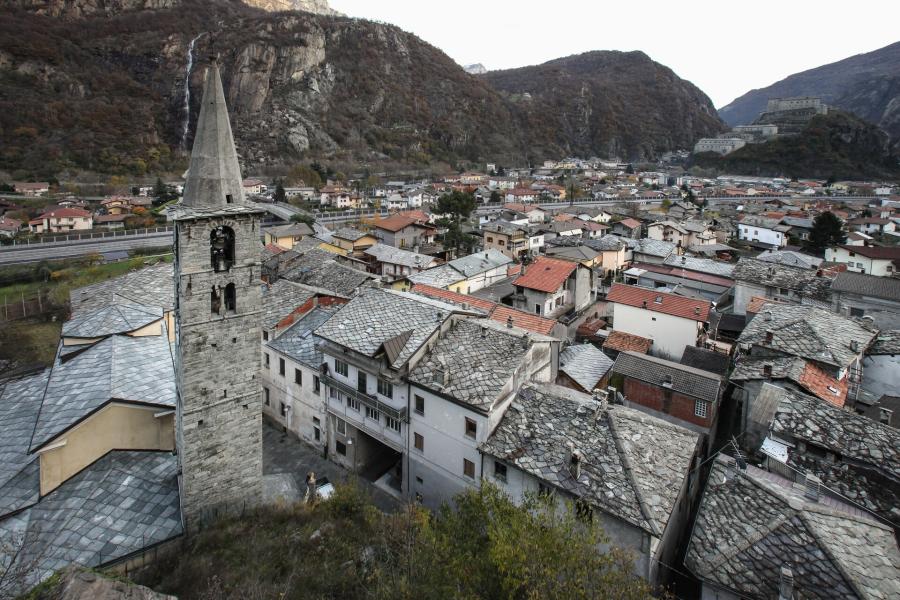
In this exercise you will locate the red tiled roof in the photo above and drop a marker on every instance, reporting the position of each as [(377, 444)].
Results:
[(513, 270), (397, 222), (625, 342), (545, 274), (661, 302), (882, 252), (497, 312), (630, 223), (685, 274), (416, 215), (65, 212), (274, 249), (756, 303), (818, 382), (590, 327)]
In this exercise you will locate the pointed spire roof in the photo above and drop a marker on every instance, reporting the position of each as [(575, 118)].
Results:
[(214, 175)]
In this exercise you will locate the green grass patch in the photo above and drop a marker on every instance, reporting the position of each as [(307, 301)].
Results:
[(29, 341)]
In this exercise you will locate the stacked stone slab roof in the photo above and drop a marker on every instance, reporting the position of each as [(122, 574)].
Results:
[(804, 281), (377, 316), (118, 368), (350, 234), (700, 265), (20, 402), (887, 342), (319, 268), (440, 276), (585, 364), (111, 319), (790, 258), (397, 256), (478, 360), (150, 286), (633, 465), (886, 288), (124, 502), (751, 524), (279, 299), (650, 247), (809, 332), (298, 343), (794, 369), (660, 372), (479, 262)]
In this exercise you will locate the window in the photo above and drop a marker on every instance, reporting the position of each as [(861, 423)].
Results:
[(392, 423), (419, 442), (471, 428), (298, 377), (468, 468), (372, 413), (341, 368), (420, 405), (701, 408), (283, 410), (340, 448), (230, 298), (499, 471), (490, 239), (501, 242), (353, 403), (266, 359), (361, 384), (316, 383), (341, 426), (537, 309), (281, 367), (386, 388), (266, 395), (265, 336)]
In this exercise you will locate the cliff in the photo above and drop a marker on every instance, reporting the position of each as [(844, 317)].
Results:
[(104, 85), (868, 85)]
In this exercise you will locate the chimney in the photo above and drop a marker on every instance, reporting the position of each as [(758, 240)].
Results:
[(767, 315), (526, 341), (786, 584), (667, 381), (812, 485), (854, 345), (884, 415), (575, 459), (644, 304), (509, 322), (769, 335), (767, 371), (819, 273), (483, 333)]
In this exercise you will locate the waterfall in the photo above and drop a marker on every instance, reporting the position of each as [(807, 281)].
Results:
[(187, 93)]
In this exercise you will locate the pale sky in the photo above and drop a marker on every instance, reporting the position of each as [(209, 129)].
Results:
[(725, 47)]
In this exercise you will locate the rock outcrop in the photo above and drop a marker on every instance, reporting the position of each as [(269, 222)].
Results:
[(77, 584)]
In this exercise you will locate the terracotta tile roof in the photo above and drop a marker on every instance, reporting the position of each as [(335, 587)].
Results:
[(416, 215), (65, 212), (590, 327), (513, 270), (497, 312), (630, 223), (661, 302), (394, 223), (545, 274), (877, 252), (819, 383), (625, 342), (273, 249), (756, 303)]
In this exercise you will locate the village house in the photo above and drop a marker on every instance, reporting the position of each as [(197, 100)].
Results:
[(761, 536), (872, 225), (671, 321), (768, 232), (460, 390), (511, 240), (480, 270), (62, 220), (783, 283), (876, 298), (9, 227), (628, 227), (584, 368), (883, 261), (31, 188), (533, 212), (649, 251), (403, 232), (683, 235), (253, 186), (689, 276), (522, 195), (624, 470), (552, 287), (353, 241), (683, 395), (286, 236), (393, 263)]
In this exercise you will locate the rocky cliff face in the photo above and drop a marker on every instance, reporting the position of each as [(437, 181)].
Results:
[(107, 92), (867, 85), (318, 7)]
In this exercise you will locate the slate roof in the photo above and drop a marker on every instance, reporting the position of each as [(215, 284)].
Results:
[(661, 302), (110, 320), (751, 525), (377, 316), (348, 233), (623, 342), (808, 332), (790, 258), (886, 288), (122, 503), (887, 342), (397, 256), (545, 274), (440, 276), (480, 361), (804, 374), (607, 242), (479, 262), (705, 360), (280, 299), (292, 229), (319, 268), (633, 465), (657, 371), (150, 286), (701, 265), (20, 402), (298, 343), (763, 273), (136, 369), (585, 364), (577, 253), (652, 247)]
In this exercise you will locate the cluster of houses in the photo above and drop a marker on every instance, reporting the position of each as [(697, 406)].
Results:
[(71, 215)]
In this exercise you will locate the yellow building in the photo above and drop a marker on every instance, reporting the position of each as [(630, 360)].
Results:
[(355, 242), (285, 236)]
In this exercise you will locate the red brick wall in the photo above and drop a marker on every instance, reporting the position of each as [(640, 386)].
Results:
[(665, 401)]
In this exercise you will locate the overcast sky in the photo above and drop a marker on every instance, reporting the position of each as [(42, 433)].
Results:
[(726, 47)]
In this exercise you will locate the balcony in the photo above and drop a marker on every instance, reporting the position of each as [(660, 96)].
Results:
[(367, 400)]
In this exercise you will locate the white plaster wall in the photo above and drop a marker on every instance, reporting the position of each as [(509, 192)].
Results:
[(670, 334), (881, 374)]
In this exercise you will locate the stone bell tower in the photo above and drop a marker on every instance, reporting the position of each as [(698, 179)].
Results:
[(217, 311)]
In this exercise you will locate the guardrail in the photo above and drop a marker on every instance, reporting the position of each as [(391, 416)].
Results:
[(98, 235)]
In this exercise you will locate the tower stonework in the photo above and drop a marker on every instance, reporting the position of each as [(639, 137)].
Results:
[(218, 303)]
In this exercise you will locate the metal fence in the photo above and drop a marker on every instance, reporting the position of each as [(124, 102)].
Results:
[(96, 235)]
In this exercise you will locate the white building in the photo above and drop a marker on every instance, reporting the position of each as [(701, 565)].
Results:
[(883, 261), (765, 231), (721, 146)]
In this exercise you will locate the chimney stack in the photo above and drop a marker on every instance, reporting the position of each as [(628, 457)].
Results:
[(509, 322), (786, 584), (812, 485), (884, 415), (575, 463), (769, 336)]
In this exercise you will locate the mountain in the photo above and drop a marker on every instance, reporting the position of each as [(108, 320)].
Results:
[(319, 7), (838, 145), (868, 85), (475, 69), (606, 103), (103, 86)]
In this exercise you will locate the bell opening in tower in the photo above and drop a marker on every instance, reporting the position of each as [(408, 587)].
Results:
[(221, 243)]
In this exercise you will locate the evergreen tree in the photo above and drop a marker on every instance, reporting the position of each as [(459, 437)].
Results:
[(827, 231), (280, 195)]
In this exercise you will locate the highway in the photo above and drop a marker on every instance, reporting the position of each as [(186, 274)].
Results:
[(13, 255)]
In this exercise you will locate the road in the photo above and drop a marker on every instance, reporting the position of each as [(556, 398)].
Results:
[(13, 255)]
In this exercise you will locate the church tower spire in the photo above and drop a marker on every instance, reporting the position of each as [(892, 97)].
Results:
[(217, 324), (214, 177)]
